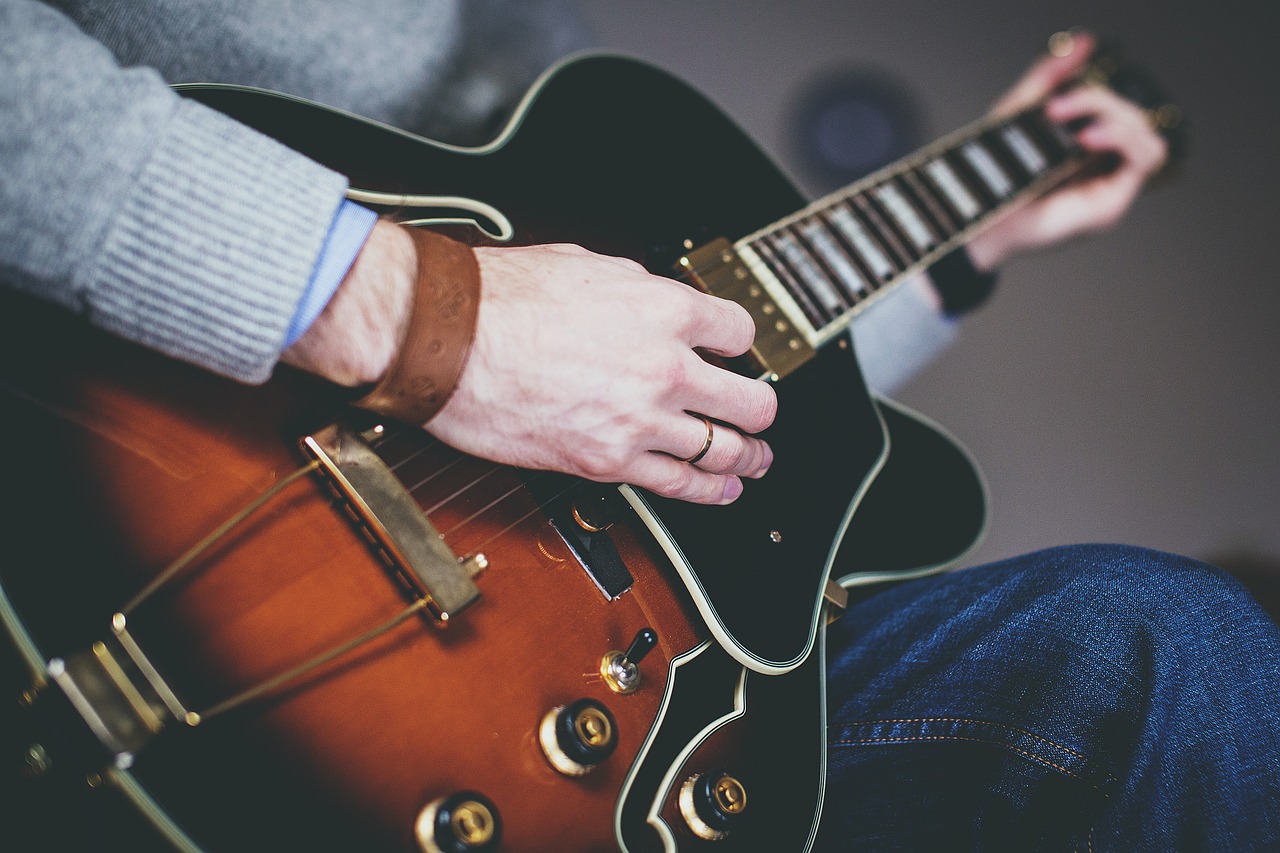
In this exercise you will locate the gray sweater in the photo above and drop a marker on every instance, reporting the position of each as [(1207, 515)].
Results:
[(173, 226)]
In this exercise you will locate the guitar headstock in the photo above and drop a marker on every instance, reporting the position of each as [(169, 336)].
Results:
[(1110, 66)]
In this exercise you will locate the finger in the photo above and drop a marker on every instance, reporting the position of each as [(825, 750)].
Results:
[(1089, 207), (1047, 74), (1140, 152), (671, 478), (1117, 125), (717, 325), (748, 404), (716, 448)]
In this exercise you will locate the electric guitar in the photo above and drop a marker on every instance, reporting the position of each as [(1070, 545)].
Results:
[(267, 622)]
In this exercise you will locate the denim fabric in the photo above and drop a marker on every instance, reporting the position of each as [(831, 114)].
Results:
[(1092, 698)]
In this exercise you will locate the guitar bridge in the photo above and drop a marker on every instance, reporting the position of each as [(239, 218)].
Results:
[(385, 509)]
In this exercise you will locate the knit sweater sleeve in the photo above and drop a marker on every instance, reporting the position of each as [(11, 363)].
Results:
[(154, 217)]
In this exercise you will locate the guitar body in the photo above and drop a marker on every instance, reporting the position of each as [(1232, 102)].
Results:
[(126, 460)]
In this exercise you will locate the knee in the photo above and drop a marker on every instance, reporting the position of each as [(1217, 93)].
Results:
[(1163, 597)]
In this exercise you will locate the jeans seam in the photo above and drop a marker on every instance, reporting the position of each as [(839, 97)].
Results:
[(1108, 778)]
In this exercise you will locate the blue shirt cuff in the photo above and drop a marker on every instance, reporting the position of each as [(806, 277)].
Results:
[(347, 233)]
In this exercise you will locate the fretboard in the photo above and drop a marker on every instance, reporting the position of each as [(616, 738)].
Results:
[(832, 259)]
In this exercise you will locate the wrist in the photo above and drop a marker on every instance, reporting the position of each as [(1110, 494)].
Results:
[(433, 349), (355, 337)]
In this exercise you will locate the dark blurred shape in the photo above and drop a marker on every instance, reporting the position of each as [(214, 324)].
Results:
[(848, 122)]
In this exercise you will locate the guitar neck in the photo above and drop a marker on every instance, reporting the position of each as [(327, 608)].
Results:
[(826, 263)]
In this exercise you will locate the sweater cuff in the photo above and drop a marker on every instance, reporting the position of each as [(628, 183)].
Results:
[(210, 254), (959, 283)]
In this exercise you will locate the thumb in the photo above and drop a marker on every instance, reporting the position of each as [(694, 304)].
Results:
[(1067, 56)]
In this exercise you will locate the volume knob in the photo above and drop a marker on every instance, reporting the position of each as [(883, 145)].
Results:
[(578, 736), (712, 803), (463, 822)]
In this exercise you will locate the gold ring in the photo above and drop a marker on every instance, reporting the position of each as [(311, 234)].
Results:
[(706, 445)]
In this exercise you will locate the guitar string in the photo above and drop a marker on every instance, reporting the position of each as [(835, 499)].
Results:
[(298, 671), (529, 479)]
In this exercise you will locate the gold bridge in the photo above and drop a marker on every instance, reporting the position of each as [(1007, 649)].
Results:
[(779, 347), (406, 536), (123, 698)]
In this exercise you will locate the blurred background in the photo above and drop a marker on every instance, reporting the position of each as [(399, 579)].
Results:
[(1123, 388)]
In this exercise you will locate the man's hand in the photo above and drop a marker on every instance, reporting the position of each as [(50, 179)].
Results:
[(586, 364), (1116, 127), (582, 364)]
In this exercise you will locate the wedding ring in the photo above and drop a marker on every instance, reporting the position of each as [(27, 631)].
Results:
[(706, 445)]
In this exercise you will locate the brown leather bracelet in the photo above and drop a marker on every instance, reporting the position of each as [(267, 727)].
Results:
[(442, 326)]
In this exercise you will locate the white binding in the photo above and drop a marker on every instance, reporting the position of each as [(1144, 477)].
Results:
[(859, 579), (703, 603)]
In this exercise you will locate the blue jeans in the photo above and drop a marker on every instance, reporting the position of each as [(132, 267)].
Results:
[(1091, 698)]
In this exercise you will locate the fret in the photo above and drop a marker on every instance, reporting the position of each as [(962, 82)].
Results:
[(857, 238), (1013, 167), (972, 181), (883, 231), (817, 318), (834, 257), (1024, 149), (986, 168), (812, 274), (913, 227), (1053, 137), (808, 274), (946, 179), (932, 207)]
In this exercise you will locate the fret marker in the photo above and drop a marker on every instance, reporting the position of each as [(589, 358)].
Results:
[(945, 178), (853, 231), (902, 211), (1024, 149), (987, 168)]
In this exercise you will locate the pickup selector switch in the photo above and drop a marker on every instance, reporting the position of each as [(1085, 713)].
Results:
[(620, 670)]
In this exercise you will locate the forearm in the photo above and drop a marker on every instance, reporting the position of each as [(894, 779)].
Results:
[(158, 219)]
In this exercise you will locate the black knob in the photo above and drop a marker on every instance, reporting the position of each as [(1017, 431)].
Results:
[(586, 731), (594, 507), (578, 736), (643, 643), (463, 822), (712, 803)]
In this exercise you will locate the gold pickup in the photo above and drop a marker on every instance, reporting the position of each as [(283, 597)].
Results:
[(389, 512), (779, 347)]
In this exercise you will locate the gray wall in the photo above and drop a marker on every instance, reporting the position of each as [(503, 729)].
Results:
[(1119, 389)]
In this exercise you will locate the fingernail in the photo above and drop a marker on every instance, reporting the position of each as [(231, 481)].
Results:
[(766, 465), (732, 490)]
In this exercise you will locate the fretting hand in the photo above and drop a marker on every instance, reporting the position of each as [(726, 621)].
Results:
[(1115, 127)]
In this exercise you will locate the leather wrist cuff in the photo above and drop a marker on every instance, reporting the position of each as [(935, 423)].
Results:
[(442, 326), (959, 283)]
